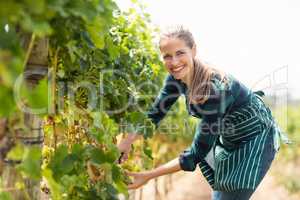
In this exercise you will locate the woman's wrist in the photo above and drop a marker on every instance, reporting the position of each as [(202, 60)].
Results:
[(150, 174), (170, 167)]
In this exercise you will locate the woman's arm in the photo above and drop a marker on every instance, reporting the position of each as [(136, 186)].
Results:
[(166, 98), (168, 168), (168, 95), (141, 178)]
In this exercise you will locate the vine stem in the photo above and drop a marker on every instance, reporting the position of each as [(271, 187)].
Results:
[(29, 49), (53, 93)]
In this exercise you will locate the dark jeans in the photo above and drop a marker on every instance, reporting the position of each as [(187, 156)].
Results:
[(245, 194)]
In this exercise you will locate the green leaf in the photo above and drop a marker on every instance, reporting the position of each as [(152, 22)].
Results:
[(96, 32), (7, 99), (96, 134), (107, 168), (112, 192), (5, 196), (107, 126), (113, 50), (121, 187), (31, 164), (148, 128), (56, 161), (16, 153), (36, 7), (135, 117), (140, 124), (112, 155), (97, 156), (83, 9), (60, 154), (70, 182), (148, 152), (37, 98), (116, 172), (39, 27), (68, 164), (78, 150), (54, 186)]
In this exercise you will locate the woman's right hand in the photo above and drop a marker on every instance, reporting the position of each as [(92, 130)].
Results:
[(139, 179)]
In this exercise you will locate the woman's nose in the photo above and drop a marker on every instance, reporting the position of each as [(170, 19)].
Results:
[(174, 60)]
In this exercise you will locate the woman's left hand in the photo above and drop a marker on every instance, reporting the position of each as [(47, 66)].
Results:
[(125, 146), (140, 178)]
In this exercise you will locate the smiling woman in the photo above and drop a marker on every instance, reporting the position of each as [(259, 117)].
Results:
[(178, 48), (237, 138), (177, 57)]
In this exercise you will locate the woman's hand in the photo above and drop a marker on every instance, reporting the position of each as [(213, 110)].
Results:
[(139, 179), (125, 146), (143, 177)]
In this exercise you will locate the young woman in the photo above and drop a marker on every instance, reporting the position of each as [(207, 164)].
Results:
[(237, 139)]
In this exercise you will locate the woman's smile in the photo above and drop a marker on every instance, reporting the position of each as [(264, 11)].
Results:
[(178, 69)]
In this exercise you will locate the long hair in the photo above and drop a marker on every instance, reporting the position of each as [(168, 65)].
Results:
[(201, 86)]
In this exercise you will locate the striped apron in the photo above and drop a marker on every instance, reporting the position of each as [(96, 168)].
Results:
[(236, 158)]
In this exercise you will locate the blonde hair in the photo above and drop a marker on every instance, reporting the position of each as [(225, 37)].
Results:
[(200, 87)]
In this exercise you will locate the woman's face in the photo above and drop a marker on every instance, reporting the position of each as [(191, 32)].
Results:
[(177, 57)]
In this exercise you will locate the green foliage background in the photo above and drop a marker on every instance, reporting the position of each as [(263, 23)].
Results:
[(95, 50), (90, 40)]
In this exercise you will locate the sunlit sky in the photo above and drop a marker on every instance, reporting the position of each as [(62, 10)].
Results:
[(258, 41)]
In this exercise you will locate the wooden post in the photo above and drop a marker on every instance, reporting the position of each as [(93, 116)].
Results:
[(132, 195), (166, 185), (157, 193), (36, 67), (141, 194)]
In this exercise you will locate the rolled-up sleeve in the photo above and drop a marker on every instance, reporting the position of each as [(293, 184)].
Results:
[(187, 160)]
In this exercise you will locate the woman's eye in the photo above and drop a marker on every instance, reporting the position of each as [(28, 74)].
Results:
[(180, 53), (167, 57)]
